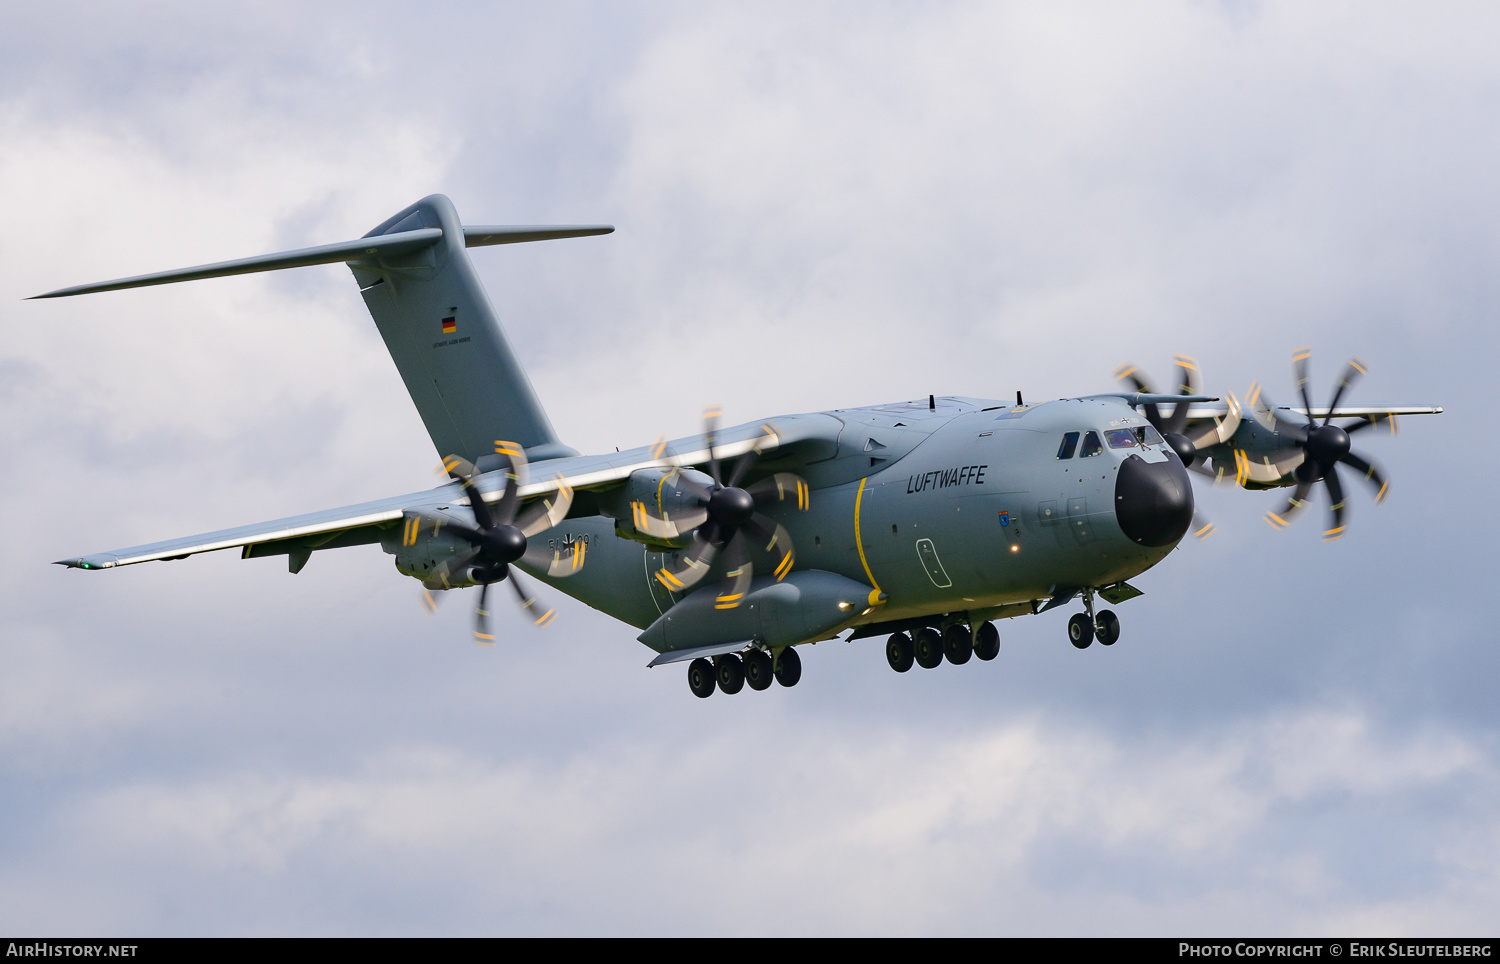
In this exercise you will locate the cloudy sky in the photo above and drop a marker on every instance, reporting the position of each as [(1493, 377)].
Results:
[(818, 206)]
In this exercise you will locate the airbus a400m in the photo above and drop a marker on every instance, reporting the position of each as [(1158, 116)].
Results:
[(923, 521)]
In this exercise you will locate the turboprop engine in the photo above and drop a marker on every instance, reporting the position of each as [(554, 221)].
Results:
[(427, 548), (664, 494)]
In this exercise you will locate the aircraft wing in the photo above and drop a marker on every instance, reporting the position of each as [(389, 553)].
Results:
[(362, 524), (1220, 409), (316, 529)]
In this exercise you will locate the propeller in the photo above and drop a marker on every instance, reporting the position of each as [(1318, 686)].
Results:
[(499, 537), (1173, 426), (1320, 448), (724, 519)]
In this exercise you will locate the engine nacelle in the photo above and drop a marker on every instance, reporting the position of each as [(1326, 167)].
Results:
[(662, 493), (427, 548)]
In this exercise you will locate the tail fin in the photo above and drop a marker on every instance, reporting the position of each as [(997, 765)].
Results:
[(437, 322)]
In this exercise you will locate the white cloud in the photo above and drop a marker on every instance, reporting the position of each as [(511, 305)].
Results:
[(844, 831)]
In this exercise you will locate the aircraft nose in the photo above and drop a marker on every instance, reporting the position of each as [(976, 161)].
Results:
[(1153, 501)]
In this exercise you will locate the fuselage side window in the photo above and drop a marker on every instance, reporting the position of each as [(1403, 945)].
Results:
[(1120, 438), (1069, 444), (1091, 446)]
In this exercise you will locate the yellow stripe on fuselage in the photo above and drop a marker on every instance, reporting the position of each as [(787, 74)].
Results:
[(859, 541)]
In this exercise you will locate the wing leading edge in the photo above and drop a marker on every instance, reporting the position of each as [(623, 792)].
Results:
[(362, 523)]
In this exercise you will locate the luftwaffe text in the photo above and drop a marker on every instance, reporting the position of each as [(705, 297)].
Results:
[(946, 478)]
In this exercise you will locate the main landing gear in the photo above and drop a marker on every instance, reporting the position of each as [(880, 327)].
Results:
[(928, 648), (1085, 627), (729, 673)]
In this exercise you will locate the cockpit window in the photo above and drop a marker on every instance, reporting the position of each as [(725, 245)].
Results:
[(1120, 438), (1147, 435), (1091, 445), (1069, 444)]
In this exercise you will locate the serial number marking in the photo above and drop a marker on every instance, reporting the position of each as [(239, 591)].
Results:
[(568, 539), (946, 478)]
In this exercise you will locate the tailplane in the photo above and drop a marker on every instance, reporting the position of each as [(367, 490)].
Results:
[(438, 324)]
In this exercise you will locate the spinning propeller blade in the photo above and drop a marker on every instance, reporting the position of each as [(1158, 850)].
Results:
[(1320, 447), (500, 533), (1173, 425), (724, 516)]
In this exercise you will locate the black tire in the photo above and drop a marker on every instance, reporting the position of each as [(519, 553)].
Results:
[(730, 672), (758, 670), (958, 644), (928, 647), (898, 652), (987, 642), (701, 678), (1081, 630), (788, 667), (1106, 627)]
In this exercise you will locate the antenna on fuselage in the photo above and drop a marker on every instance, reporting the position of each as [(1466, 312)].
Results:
[(1019, 403)]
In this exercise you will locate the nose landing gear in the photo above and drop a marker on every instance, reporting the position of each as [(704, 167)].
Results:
[(1085, 627), (1106, 627), (1081, 630)]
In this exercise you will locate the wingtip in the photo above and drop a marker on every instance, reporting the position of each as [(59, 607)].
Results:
[(85, 562)]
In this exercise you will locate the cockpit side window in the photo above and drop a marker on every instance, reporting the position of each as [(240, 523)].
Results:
[(1069, 444), (1091, 446), (1121, 438), (1147, 435)]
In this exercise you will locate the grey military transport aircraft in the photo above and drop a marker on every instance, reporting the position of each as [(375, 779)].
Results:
[(923, 521)]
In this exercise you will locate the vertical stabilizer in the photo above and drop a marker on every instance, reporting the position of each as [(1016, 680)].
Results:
[(447, 343), (437, 322)]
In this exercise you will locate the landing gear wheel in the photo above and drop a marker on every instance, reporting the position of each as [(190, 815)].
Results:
[(958, 644), (987, 642), (758, 670), (1106, 627), (701, 678), (1081, 630), (788, 667), (929, 648), (898, 652), (731, 673)]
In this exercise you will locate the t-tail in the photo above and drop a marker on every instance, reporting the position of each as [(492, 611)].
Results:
[(438, 324)]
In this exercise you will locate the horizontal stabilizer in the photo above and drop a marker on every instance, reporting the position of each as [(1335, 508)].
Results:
[(382, 246), (385, 246), (477, 236)]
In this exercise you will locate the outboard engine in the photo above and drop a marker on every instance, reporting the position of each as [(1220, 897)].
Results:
[(426, 549)]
